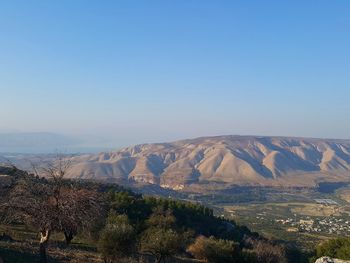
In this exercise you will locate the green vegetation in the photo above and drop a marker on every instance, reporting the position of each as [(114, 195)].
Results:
[(161, 239), (281, 215), (93, 222), (215, 250), (207, 237), (335, 248), (117, 239)]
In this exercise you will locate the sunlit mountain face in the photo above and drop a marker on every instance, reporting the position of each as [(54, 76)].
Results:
[(224, 160)]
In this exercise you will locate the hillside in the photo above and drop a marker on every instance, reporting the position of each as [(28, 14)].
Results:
[(225, 160), (122, 226)]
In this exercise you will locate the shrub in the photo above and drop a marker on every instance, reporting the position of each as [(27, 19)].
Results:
[(160, 242), (266, 252), (215, 250), (335, 248), (117, 239), (160, 239)]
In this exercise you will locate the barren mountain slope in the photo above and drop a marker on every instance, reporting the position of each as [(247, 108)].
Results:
[(230, 160)]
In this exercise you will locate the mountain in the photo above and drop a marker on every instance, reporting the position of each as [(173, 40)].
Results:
[(222, 161)]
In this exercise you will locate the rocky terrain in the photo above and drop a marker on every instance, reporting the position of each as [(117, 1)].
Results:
[(330, 260), (223, 161)]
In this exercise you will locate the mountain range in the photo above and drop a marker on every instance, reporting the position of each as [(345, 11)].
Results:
[(222, 161)]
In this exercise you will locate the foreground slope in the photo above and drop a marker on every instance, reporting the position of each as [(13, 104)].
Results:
[(225, 160)]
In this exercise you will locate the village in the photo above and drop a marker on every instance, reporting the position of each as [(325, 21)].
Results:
[(319, 217), (326, 225), (333, 224)]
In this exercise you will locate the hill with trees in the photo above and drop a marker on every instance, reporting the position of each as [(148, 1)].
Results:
[(107, 223)]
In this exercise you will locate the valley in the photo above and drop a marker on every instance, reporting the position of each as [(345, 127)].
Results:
[(302, 217), (293, 191)]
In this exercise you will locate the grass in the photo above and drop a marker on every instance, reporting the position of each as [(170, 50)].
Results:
[(25, 247), (316, 210), (16, 253)]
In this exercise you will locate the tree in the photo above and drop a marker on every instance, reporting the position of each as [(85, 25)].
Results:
[(127, 202), (335, 248), (79, 209), (265, 251), (117, 239), (161, 219), (52, 204), (160, 239), (215, 250), (160, 243)]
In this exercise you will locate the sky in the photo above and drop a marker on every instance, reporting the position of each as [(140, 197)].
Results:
[(127, 72)]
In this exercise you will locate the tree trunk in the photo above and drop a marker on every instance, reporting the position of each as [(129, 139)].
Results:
[(44, 239), (68, 236), (158, 259)]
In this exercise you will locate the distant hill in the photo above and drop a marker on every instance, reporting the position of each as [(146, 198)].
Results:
[(223, 161), (35, 142), (48, 143)]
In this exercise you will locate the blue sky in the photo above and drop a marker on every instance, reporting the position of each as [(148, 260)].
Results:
[(145, 71)]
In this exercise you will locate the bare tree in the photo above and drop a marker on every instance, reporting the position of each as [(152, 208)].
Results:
[(53, 203), (265, 251)]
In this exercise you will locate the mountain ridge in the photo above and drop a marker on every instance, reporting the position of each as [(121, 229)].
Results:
[(227, 160)]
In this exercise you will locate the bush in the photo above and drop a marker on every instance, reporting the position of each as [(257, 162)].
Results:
[(215, 250), (117, 239), (248, 256), (266, 252), (160, 242), (335, 248)]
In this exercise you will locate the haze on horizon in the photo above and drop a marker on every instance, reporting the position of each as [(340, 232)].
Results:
[(125, 72)]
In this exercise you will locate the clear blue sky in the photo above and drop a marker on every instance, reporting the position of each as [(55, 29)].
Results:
[(144, 71)]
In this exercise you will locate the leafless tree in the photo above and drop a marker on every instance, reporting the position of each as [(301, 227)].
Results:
[(265, 251), (53, 203)]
